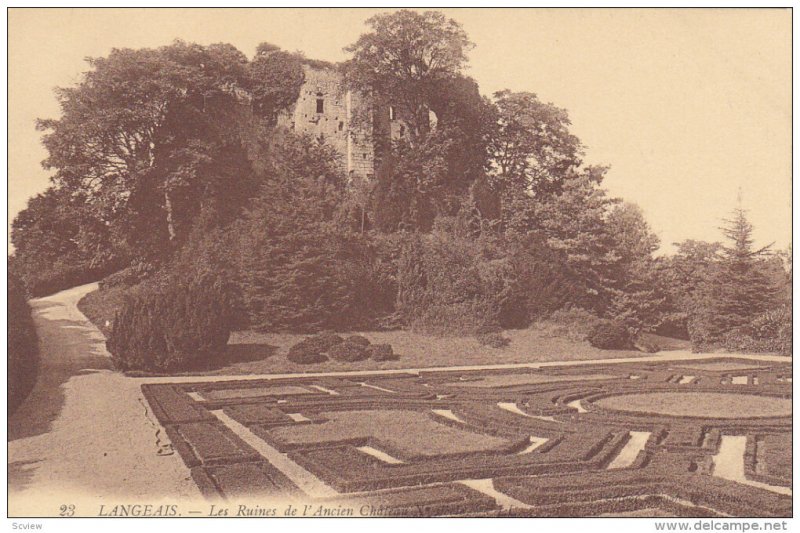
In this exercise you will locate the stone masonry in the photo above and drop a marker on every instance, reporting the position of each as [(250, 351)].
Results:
[(344, 119)]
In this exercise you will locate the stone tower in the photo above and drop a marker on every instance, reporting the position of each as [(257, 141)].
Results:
[(343, 119)]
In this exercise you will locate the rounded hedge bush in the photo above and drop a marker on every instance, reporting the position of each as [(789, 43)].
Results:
[(173, 325), (358, 339), (324, 341), (349, 352), (308, 351), (610, 335), (381, 352)]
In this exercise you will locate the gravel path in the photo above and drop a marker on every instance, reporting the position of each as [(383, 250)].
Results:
[(82, 437)]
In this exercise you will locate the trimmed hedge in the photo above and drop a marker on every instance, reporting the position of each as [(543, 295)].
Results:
[(349, 352), (318, 348), (173, 326), (382, 352), (22, 351), (358, 339), (312, 349), (306, 352)]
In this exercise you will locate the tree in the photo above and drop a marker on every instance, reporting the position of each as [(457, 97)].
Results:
[(58, 243), (638, 298), (291, 262), (137, 133), (413, 62), (532, 148), (275, 80), (403, 59), (469, 120), (681, 278), (574, 224), (633, 239), (412, 184), (739, 289)]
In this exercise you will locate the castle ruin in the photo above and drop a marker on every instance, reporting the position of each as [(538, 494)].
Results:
[(346, 120)]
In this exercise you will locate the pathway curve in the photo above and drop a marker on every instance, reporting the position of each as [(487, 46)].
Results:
[(82, 437)]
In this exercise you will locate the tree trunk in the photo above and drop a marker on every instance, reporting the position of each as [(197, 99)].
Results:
[(170, 220), (363, 218)]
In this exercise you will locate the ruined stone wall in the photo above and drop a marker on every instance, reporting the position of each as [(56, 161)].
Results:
[(330, 125), (327, 111), (346, 120), (361, 140)]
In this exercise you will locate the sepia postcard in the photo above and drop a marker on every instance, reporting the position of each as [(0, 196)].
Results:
[(400, 262)]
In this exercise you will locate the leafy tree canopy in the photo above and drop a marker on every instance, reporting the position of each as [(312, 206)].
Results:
[(404, 57)]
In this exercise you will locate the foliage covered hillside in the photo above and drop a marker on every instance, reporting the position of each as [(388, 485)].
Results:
[(167, 164)]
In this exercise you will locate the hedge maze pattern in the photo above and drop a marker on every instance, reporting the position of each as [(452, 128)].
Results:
[(524, 442)]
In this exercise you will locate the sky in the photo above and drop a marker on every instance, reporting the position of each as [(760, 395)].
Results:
[(687, 107)]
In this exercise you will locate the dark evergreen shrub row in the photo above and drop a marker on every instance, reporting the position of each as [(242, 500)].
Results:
[(22, 350)]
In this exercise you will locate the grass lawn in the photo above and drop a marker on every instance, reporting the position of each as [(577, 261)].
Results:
[(265, 353), (251, 352), (699, 404), (421, 435), (666, 344)]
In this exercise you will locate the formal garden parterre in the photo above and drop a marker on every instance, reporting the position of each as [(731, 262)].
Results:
[(706, 438)]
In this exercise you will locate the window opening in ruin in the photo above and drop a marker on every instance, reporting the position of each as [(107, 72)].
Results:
[(392, 115), (320, 105)]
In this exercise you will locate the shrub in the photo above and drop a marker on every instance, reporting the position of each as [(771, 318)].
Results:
[(495, 340), (487, 329), (541, 282), (770, 331), (127, 277), (610, 335), (462, 318), (453, 280), (306, 352), (367, 270), (648, 346), (312, 349), (101, 306), (358, 339), (325, 340), (22, 345), (382, 352), (291, 258), (349, 352), (170, 325)]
